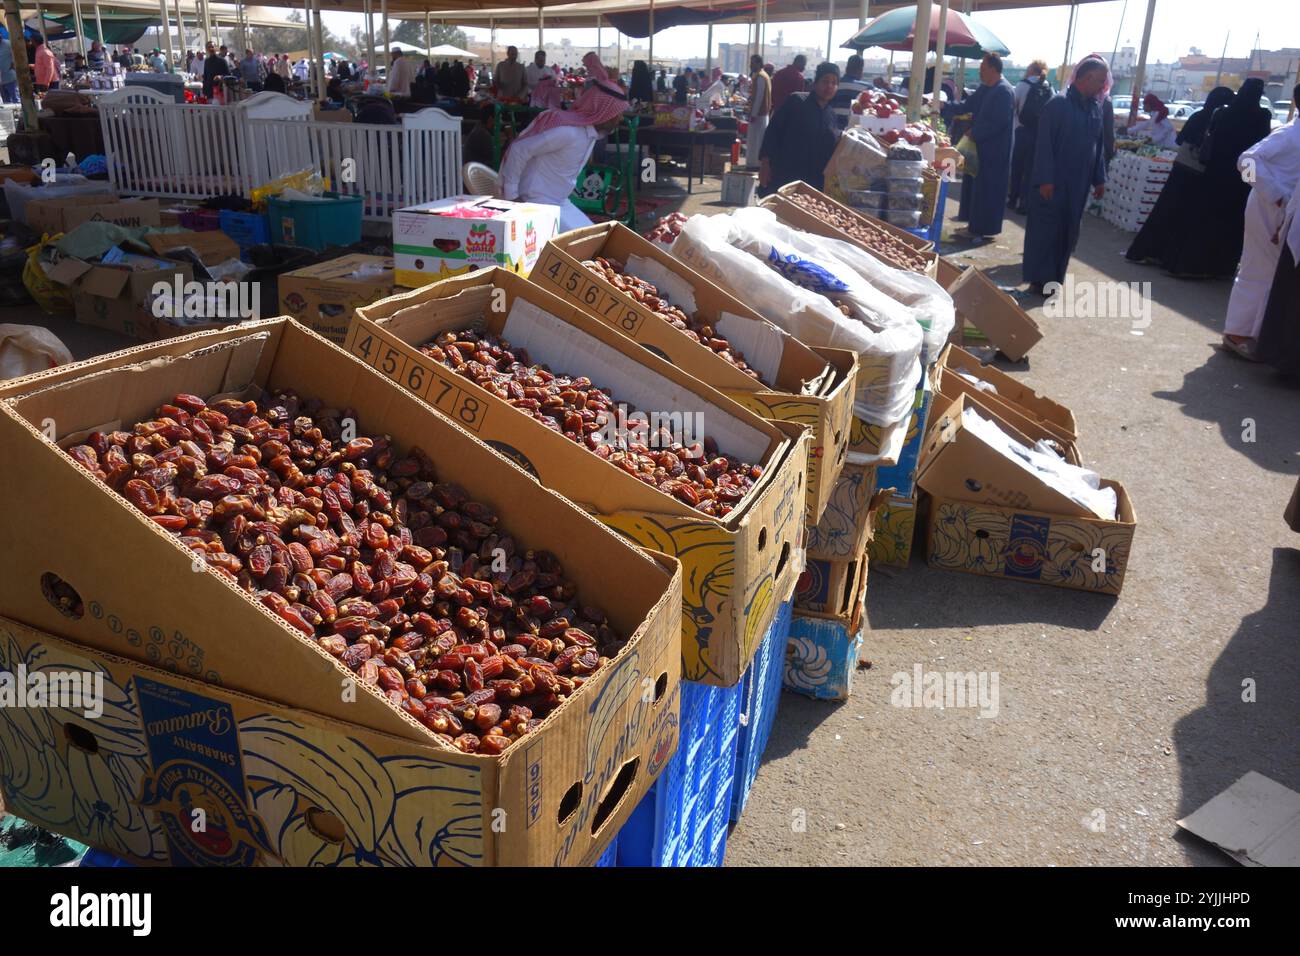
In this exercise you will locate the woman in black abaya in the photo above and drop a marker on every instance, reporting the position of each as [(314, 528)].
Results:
[(1169, 234)]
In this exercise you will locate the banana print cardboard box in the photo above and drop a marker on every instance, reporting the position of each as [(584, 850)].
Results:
[(846, 527), (809, 386), (85, 566), (161, 769), (826, 630), (460, 234), (894, 531), (735, 568)]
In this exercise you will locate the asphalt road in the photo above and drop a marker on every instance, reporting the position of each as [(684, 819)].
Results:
[(1117, 716)]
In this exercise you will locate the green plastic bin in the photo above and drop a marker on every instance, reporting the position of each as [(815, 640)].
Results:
[(331, 220)]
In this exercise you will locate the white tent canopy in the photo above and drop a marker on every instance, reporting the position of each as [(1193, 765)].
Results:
[(404, 47), (446, 50)]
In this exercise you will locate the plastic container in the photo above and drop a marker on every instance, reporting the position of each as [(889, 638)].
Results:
[(873, 199), (331, 220), (760, 694), (683, 820), (902, 200), (248, 229), (610, 856), (905, 152), (908, 219), (900, 168)]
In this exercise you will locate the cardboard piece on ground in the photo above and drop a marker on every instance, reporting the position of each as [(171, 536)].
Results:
[(212, 246), (735, 568), (325, 296), (282, 785), (1053, 415), (951, 386), (994, 313), (826, 408), (958, 465), (64, 215), (1256, 821), (143, 601)]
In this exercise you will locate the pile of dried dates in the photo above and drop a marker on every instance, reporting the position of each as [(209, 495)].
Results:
[(863, 230), (616, 274), (409, 582), (694, 473)]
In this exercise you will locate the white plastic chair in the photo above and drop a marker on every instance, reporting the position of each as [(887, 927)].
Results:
[(481, 179)]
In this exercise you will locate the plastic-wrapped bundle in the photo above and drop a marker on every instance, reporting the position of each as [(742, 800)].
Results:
[(817, 299), (929, 303)]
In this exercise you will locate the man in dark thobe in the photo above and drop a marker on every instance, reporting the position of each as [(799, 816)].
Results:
[(802, 135), (991, 131), (1068, 159)]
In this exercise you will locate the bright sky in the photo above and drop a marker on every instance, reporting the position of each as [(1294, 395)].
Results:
[(1179, 25)]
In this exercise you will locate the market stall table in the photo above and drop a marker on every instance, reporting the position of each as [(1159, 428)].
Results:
[(661, 138)]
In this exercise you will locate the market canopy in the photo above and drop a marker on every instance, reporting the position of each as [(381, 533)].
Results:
[(455, 52), (896, 30)]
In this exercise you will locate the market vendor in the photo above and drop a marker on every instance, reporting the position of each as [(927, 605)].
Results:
[(511, 81), (1156, 127), (802, 135), (543, 163), (717, 90)]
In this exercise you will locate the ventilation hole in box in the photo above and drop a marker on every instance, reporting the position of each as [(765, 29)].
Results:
[(325, 825), (661, 687), (572, 798), (785, 556), (62, 595), (799, 487), (839, 436), (981, 534), (1075, 546), (81, 738), (973, 485), (615, 793), (762, 538), (844, 450)]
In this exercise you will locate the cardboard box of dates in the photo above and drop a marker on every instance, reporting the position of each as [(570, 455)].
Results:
[(803, 207), (741, 545), (794, 383), (240, 694)]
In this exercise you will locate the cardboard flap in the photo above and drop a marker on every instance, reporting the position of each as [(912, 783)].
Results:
[(211, 246), (994, 313), (105, 281), (68, 270), (1256, 821)]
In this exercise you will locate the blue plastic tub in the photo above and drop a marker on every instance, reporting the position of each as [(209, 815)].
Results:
[(760, 695), (683, 820), (331, 220), (248, 229)]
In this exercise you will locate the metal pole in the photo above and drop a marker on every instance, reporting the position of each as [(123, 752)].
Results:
[(180, 35), (162, 9), (99, 26), (864, 9), (320, 50), (1219, 73), (961, 61), (652, 31), (830, 29), (492, 43), (600, 49), (383, 18), (370, 37), (1069, 41), (939, 44), (920, 43), (541, 25), (428, 33), (80, 26), (26, 92), (40, 19), (708, 49), (1139, 76)]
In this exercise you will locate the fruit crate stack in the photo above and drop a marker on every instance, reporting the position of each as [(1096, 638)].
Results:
[(1133, 184)]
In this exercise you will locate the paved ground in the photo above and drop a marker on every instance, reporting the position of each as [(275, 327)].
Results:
[(1129, 708)]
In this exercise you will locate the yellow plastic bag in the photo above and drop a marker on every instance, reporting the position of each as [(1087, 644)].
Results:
[(305, 181), (970, 156), (49, 295)]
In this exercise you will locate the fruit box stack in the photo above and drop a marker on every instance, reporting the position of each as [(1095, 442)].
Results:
[(1133, 184), (826, 629), (215, 696)]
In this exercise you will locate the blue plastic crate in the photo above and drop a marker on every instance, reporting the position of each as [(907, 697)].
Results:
[(683, 820), (248, 229), (101, 858), (610, 856), (760, 695)]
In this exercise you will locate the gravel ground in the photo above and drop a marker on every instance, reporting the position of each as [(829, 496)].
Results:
[(1116, 716)]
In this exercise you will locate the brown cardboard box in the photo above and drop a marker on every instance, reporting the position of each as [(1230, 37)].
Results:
[(981, 303), (812, 387), (845, 528), (796, 216), (736, 570), (949, 386), (894, 531), (61, 215), (315, 751), (831, 589), (1053, 416), (324, 297), (956, 464), (212, 246)]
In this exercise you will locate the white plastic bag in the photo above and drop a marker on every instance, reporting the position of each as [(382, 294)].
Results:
[(25, 349), (746, 261)]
